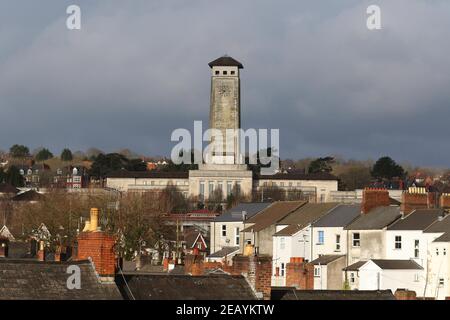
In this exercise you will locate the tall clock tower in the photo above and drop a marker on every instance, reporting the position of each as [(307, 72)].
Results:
[(225, 108), (223, 171)]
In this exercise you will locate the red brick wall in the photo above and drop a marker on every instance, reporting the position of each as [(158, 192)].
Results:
[(405, 295), (300, 275), (445, 201), (413, 201), (374, 197), (263, 277), (257, 269), (100, 248)]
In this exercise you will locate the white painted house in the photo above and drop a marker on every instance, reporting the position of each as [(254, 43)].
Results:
[(438, 273), (329, 236), (405, 238), (292, 238), (366, 237), (384, 274), (226, 229)]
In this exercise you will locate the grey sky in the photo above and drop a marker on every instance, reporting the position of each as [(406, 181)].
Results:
[(138, 69)]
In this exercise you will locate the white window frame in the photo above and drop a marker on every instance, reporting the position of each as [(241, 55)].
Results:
[(338, 242), (317, 272), (398, 242), (416, 248), (282, 243), (353, 240), (224, 230), (320, 234), (352, 277), (237, 236)]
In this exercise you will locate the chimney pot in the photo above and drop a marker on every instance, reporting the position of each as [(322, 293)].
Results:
[(94, 219)]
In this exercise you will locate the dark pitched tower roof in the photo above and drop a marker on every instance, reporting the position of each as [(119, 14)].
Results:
[(226, 61)]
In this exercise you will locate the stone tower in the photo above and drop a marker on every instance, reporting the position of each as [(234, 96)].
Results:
[(225, 107), (223, 171)]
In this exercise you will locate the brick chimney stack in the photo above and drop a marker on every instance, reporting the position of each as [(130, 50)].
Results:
[(417, 198), (373, 198), (404, 294), (445, 201), (98, 246), (299, 274)]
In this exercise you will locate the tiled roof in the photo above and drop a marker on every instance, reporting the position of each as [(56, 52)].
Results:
[(444, 238), (185, 287), (34, 280), (377, 218), (272, 214), (326, 259), (304, 215), (388, 264), (417, 220), (235, 213), (288, 293), (340, 216), (355, 266), (440, 225), (225, 251), (226, 61)]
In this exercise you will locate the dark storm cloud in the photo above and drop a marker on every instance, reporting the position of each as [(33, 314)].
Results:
[(138, 70)]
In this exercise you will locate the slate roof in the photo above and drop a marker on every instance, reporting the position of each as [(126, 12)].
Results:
[(326, 259), (287, 293), (155, 174), (340, 216), (377, 218), (226, 61), (444, 238), (272, 214), (225, 251), (298, 176), (34, 280), (440, 225), (185, 287), (417, 220), (303, 216), (235, 214), (355, 266), (387, 264)]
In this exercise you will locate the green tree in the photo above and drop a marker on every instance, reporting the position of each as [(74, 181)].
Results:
[(14, 177), (66, 155), (107, 163), (43, 154), (19, 151), (386, 168), (355, 178), (321, 165), (2, 175), (136, 165)]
